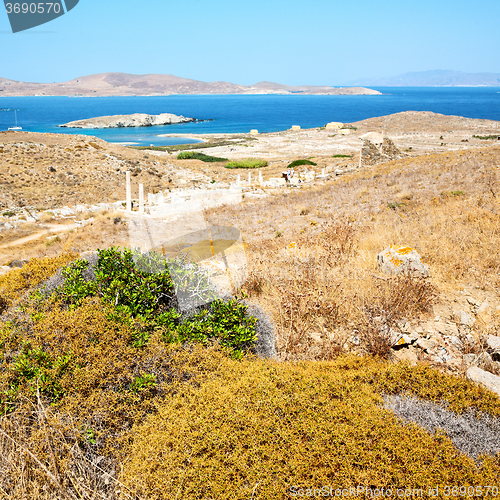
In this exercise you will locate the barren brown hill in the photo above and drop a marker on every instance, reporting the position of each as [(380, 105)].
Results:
[(427, 122), (115, 84), (53, 170)]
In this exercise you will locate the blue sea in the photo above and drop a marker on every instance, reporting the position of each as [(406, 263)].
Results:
[(241, 113)]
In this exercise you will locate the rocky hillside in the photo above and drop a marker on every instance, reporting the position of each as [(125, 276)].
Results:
[(53, 170)]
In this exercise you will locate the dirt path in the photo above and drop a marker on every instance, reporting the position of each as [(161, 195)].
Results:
[(53, 228)]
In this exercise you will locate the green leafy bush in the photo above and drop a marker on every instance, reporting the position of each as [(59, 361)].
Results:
[(298, 163), (76, 288), (225, 321), (247, 163), (193, 155), (40, 371), (139, 289), (486, 137)]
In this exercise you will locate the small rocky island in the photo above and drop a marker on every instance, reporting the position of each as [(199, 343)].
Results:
[(134, 120)]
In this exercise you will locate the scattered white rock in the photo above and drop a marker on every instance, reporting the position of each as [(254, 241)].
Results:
[(408, 354), (493, 343), (355, 340), (483, 314), (397, 259), (456, 341), (316, 336), (402, 339), (333, 125), (466, 319), (470, 359), (486, 379), (426, 344)]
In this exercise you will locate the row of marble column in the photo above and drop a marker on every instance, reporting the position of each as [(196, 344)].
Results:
[(141, 189)]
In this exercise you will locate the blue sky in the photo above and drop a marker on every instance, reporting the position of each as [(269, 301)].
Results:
[(315, 42)]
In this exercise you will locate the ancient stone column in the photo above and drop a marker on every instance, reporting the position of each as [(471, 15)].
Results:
[(260, 178), (141, 199), (249, 177), (360, 154), (129, 191), (238, 179)]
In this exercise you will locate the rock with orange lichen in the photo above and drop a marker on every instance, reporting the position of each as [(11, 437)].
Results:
[(397, 259)]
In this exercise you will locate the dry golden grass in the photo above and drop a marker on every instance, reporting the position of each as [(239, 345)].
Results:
[(262, 428), (49, 170), (445, 206), (106, 230), (18, 281)]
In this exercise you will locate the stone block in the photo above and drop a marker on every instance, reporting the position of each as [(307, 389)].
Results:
[(493, 342), (466, 319), (333, 125), (397, 259), (484, 378)]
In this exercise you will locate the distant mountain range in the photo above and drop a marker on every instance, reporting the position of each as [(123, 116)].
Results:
[(437, 78), (124, 84)]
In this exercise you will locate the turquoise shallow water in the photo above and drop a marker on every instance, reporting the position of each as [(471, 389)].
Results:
[(241, 113)]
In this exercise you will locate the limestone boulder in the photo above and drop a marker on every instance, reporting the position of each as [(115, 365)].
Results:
[(493, 342), (407, 354), (483, 313), (466, 319), (484, 378), (397, 259)]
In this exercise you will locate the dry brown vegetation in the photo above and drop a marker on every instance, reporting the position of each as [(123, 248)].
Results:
[(326, 286), (44, 171), (312, 251), (213, 427), (104, 230)]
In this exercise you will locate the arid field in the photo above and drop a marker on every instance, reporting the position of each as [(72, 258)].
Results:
[(96, 403)]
